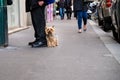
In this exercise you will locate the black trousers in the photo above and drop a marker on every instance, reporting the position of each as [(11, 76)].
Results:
[(39, 23), (69, 12)]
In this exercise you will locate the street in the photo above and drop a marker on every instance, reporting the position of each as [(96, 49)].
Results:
[(90, 55)]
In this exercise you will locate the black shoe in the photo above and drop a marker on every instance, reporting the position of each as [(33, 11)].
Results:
[(39, 44), (30, 43)]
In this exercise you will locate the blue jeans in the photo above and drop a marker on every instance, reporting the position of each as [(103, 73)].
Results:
[(81, 15), (62, 11)]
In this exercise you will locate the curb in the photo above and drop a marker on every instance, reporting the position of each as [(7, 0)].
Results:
[(17, 30), (112, 45)]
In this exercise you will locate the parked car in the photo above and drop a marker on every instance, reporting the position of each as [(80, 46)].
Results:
[(104, 14), (115, 15)]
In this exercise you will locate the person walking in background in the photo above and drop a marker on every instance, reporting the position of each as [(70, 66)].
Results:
[(61, 4), (68, 4), (37, 9), (81, 8)]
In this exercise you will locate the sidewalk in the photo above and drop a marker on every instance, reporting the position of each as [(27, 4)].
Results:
[(78, 56)]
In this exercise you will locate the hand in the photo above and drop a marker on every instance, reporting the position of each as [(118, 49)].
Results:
[(40, 3)]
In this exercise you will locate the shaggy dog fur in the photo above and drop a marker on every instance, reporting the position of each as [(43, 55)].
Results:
[(50, 36)]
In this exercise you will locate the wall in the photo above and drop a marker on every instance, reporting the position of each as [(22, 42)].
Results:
[(16, 14)]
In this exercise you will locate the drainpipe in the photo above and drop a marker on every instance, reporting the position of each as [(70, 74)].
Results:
[(4, 23)]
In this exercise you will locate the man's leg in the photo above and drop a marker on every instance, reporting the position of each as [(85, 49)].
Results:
[(85, 20), (79, 16), (38, 19)]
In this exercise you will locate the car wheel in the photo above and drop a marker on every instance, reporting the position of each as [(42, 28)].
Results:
[(100, 22), (106, 27), (115, 34), (119, 35)]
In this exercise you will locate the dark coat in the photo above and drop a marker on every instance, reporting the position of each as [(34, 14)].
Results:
[(79, 5), (68, 3), (32, 4), (9, 2), (61, 4)]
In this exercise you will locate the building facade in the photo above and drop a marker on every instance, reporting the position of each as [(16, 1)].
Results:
[(17, 17)]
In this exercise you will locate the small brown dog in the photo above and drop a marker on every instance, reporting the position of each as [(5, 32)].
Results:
[(50, 36)]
